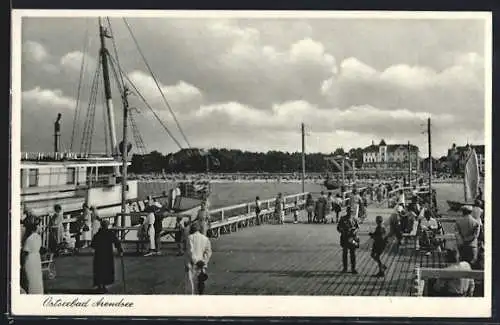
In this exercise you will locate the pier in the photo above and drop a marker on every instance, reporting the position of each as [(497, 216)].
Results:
[(267, 259)]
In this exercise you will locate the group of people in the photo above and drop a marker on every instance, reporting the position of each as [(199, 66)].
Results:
[(31, 250), (79, 235)]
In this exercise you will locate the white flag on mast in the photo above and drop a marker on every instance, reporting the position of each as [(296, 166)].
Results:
[(471, 177)]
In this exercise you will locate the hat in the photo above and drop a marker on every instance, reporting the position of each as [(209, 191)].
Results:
[(466, 208)]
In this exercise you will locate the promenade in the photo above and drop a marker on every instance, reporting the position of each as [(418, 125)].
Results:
[(289, 259)]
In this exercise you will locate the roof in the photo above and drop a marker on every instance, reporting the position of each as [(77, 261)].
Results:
[(391, 147)]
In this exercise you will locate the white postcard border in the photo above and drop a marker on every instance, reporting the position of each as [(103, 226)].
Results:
[(177, 305)]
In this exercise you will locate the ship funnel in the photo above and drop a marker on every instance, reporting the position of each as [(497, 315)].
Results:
[(57, 133)]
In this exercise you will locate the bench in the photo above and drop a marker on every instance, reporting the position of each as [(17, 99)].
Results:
[(420, 288)]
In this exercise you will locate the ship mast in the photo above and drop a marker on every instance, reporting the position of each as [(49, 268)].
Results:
[(107, 90)]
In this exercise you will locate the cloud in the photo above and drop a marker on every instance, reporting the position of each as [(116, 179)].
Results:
[(181, 96), (45, 98), (249, 83), (73, 61), (35, 51)]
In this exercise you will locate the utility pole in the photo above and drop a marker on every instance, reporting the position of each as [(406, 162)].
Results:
[(107, 90), (343, 170), (303, 159), (430, 161), (409, 164), (124, 154)]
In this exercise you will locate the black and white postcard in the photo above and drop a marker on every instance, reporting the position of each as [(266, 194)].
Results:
[(218, 163)]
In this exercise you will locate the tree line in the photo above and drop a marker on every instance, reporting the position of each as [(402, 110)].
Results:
[(233, 160)]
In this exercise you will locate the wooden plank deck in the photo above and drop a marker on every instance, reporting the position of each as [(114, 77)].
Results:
[(289, 259)]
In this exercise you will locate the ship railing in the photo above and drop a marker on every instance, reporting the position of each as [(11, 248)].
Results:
[(60, 156)]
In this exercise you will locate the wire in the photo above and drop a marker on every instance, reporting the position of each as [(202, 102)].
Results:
[(156, 81), (80, 79), (150, 108)]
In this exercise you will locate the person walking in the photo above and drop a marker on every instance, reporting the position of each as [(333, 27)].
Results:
[(31, 261), (349, 241), (197, 256), (104, 263), (379, 244)]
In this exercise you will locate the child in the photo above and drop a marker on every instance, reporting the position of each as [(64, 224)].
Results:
[(379, 243), (179, 234), (142, 234)]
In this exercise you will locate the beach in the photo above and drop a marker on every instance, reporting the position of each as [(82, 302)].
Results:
[(231, 193)]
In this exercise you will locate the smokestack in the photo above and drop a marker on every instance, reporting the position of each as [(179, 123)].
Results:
[(57, 133)]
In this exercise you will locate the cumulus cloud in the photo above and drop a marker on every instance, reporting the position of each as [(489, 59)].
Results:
[(44, 98), (73, 61), (181, 95), (35, 51), (243, 83)]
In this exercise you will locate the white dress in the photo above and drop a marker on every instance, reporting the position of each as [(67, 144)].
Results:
[(151, 230), (33, 264), (87, 235)]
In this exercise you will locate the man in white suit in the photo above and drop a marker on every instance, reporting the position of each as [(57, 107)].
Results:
[(197, 255)]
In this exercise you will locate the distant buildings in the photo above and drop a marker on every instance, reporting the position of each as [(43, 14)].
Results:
[(390, 156), (457, 155)]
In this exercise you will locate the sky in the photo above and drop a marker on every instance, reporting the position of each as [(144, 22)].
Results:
[(248, 83)]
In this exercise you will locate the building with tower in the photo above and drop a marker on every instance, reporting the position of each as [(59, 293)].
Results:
[(391, 156)]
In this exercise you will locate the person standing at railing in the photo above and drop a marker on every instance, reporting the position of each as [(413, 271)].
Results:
[(31, 261), (56, 230), (309, 207), (468, 230), (279, 209), (257, 210), (203, 217)]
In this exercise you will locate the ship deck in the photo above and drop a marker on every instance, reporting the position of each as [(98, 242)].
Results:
[(289, 259)]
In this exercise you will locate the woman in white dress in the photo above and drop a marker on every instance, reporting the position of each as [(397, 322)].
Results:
[(96, 221), (87, 226), (32, 262)]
